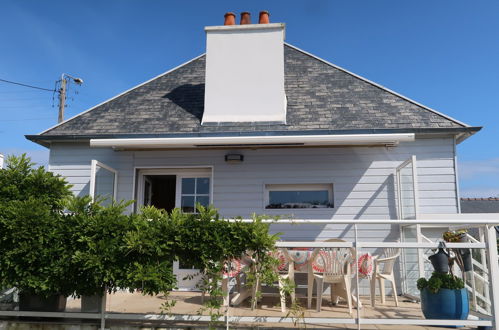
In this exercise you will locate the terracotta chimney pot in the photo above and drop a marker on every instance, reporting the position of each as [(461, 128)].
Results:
[(245, 18), (264, 17), (230, 18)]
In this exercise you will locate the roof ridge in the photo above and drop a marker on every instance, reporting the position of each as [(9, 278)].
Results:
[(480, 198), (377, 85), (123, 93)]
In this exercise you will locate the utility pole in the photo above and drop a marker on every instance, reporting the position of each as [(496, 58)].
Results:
[(65, 79), (62, 99)]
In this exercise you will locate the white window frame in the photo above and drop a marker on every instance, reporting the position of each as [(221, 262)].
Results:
[(412, 161), (179, 172), (298, 186), (178, 188), (93, 172)]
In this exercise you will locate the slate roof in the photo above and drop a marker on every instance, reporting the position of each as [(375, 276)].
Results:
[(320, 96), (480, 205)]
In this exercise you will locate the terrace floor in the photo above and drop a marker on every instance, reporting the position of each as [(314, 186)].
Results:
[(190, 302)]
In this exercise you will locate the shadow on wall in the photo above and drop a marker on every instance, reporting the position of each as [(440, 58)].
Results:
[(189, 97), (85, 190)]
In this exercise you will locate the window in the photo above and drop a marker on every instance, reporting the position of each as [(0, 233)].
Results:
[(169, 188), (299, 196), (103, 182), (194, 190)]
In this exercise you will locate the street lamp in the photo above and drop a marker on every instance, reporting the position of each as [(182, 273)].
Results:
[(65, 78)]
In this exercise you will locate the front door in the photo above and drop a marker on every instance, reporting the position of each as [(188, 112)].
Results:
[(176, 188)]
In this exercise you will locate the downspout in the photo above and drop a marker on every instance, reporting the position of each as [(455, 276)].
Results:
[(456, 176)]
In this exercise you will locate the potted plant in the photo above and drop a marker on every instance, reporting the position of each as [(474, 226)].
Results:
[(33, 245), (463, 256), (102, 259), (443, 296)]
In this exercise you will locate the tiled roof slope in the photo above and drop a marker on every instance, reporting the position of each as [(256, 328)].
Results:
[(320, 97), (480, 205)]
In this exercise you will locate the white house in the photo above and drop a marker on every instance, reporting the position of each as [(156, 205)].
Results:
[(258, 125)]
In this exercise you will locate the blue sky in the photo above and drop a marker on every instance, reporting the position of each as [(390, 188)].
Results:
[(443, 54)]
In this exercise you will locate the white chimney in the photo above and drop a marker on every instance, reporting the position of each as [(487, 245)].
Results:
[(1, 161), (245, 73)]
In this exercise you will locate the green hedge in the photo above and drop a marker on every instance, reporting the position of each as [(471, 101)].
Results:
[(52, 243)]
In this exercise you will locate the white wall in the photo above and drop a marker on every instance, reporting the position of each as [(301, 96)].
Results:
[(362, 177)]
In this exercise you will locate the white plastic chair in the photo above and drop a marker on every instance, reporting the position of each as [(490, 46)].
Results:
[(337, 273), (383, 270)]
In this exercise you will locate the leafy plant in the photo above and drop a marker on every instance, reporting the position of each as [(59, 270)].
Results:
[(439, 281), (20, 181), (54, 243), (454, 235), (100, 258), (33, 244)]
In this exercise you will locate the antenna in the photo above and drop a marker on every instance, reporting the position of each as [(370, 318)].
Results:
[(65, 80)]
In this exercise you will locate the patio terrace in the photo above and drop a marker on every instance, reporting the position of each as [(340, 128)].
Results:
[(188, 303), (484, 311)]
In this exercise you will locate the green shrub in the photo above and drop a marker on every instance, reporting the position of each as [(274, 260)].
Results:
[(20, 181), (203, 240), (33, 248), (90, 248), (439, 281), (33, 240), (99, 257)]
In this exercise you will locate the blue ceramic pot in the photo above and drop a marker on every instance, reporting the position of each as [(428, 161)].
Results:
[(445, 304)]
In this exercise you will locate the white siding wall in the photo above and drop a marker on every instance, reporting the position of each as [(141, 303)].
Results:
[(362, 177)]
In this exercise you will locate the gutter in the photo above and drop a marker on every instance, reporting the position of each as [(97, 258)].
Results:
[(461, 133)]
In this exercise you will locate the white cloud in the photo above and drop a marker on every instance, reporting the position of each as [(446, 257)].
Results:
[(478, 168), (479, 178)]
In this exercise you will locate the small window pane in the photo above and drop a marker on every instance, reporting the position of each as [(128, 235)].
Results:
[(187, 204), (203, 200), (203, 186), (104, 185), (188, 185), (299, 199)]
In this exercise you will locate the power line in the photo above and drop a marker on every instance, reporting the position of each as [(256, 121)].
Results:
[(5, 120), (15, 99), (16, 83)]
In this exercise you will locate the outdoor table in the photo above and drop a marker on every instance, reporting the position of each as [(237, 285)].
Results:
[(301, 258)]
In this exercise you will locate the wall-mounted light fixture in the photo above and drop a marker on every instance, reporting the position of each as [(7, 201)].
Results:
[(234, 158)]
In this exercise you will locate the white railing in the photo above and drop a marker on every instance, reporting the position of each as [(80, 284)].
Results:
[(489, 246)]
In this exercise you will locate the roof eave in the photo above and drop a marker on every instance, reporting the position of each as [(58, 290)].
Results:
[(461, 134)]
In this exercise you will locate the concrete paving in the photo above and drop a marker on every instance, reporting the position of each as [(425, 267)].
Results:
[(189, 303)]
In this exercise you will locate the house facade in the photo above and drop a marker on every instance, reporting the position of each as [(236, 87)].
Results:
[(256, 125)]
